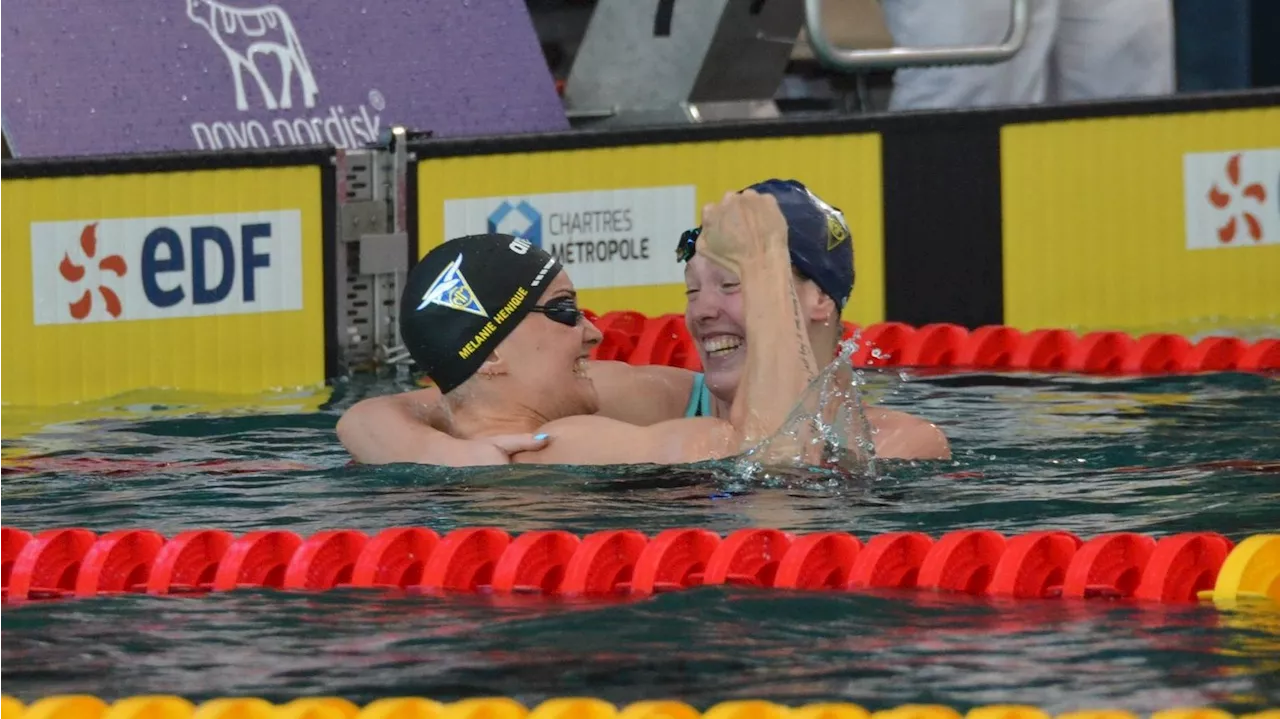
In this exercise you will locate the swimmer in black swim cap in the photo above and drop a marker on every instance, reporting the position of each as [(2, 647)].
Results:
[(493, 320)]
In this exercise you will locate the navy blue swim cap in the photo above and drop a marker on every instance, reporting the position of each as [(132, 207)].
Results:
[(817, 235)]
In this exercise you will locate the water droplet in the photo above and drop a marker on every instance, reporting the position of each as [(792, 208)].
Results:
[(184, 98), (183, 46), (364, 11)]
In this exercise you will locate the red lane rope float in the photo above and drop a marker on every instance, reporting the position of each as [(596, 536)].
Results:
[(189, 562), (75, 562), (666, 341), (890, 561), (632, 337)]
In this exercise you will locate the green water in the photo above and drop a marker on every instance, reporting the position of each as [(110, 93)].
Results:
[(1156, 456)]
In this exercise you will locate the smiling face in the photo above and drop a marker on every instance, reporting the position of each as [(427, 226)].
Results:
[(545, 357), (714, 317)]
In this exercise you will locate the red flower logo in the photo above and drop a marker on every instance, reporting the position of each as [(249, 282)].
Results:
[(1222, 200), (71, 272)]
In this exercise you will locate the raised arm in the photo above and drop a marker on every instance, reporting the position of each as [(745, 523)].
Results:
[(747, 234)]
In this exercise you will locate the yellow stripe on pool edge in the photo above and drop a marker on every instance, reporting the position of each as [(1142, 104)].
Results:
[(844, 170), (1094, 226), (174, 707), (244, 353)]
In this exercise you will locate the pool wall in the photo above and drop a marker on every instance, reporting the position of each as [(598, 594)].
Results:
[(1088, 216), (1158, 215), (195, 272)]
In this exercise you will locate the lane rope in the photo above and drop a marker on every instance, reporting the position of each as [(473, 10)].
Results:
[(1047, 565)]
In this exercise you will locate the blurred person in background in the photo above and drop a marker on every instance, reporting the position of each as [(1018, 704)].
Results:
[(1074, 50)]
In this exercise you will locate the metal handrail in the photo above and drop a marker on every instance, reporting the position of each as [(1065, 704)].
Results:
[(847, 60)]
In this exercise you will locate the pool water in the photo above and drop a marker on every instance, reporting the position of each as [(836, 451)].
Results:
[(1088, 455)]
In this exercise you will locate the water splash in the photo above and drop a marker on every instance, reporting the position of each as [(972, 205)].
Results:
[(828, 429)]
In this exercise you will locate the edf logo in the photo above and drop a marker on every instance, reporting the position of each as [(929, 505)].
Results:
[(166, 267), (520, 220), (164, 254)]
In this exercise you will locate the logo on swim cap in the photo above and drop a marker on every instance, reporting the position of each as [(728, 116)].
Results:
[(836, 231), (451, 290)]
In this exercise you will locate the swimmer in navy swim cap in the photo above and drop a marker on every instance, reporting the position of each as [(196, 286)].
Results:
[(494, 322), (821, 248)]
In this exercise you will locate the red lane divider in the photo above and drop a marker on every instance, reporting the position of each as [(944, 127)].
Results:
[(75, 562), (631, 337)]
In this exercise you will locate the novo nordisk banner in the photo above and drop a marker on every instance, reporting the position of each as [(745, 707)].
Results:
[(150, 75)]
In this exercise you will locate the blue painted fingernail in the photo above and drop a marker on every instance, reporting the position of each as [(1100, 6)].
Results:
[(539, 437)]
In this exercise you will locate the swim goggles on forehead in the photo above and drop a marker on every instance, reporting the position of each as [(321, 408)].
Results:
[(688, 245), (562, 309)]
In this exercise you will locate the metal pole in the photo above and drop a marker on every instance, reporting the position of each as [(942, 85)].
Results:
[(847, 60)]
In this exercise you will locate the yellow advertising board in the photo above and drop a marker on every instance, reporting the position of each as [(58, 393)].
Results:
[(1165, 222), (614, 214), (202, 281)]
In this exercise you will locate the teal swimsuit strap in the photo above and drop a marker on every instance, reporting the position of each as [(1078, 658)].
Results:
[(699, 398)]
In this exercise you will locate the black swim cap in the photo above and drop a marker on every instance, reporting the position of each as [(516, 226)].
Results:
[(464, 297)]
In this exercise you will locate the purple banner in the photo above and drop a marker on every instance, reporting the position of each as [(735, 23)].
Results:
[(148, 75)]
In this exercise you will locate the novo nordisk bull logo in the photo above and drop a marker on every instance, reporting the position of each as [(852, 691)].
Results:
[(248, 36), (270, 70)]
